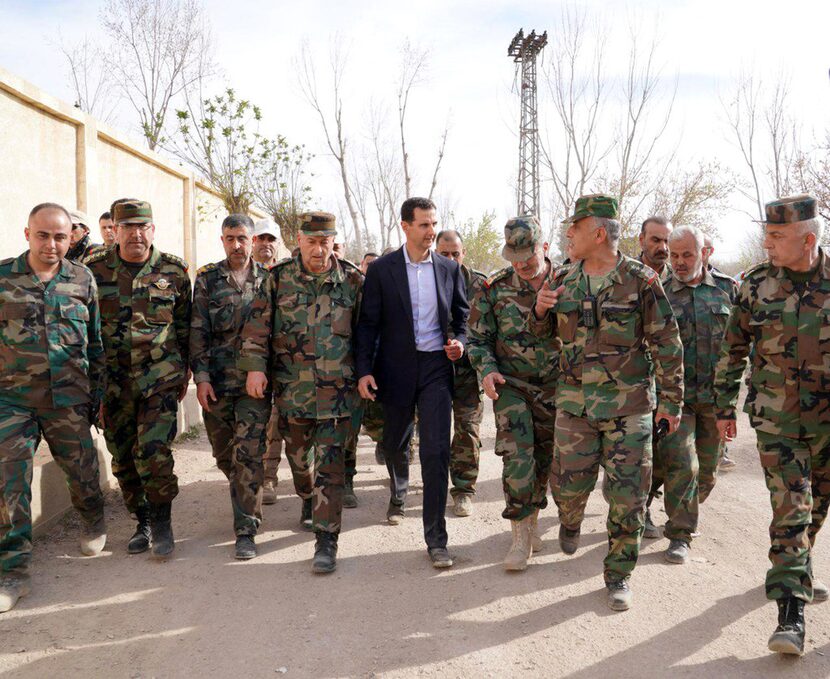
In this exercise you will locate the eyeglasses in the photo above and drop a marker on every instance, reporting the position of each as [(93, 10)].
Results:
[(143, 228)]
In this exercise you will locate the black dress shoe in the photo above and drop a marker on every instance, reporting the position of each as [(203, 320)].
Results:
[(440, 557)]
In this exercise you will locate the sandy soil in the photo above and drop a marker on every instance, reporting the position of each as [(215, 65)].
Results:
[(385, 611)]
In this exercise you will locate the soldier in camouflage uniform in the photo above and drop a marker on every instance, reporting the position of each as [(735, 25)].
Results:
[(144, 296), (266, 234), (612, 318), (81, 245), (782, 320), (303, 321), (519, 372), (51, 362), (467, 406), (654, 246), (222, 299), (687, 461)]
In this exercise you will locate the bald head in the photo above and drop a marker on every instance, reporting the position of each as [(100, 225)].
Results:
[(450, 244)]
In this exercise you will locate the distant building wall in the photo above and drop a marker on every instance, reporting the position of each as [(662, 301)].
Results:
[(51, 151)]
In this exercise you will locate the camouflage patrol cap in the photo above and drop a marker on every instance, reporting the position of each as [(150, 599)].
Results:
[(521, 236), (594, 205), (791, 209), (133, 212), (79, 217), (318, 224)]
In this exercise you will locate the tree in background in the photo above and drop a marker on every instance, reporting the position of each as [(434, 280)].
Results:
[(156, 51), (279, 179), (91, 81), (483, 243), (220, 138)]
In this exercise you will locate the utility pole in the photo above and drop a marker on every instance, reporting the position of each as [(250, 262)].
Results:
[(524, 50)]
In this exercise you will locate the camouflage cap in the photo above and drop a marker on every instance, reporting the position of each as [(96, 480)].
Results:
[(521, 236), (791, 209), (594, 205), (79, 217), (133, 212), (318, 224)]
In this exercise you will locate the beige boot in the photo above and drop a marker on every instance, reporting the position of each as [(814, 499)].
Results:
[(520, 549), (535, 535)]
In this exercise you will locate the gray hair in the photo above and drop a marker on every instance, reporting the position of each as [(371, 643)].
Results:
[(236, 220), (814, 226), (612, 227), (684, 231)]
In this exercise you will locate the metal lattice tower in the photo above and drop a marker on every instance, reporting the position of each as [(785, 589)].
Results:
[(524, 50)]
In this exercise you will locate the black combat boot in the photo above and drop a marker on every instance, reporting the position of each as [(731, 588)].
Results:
[(305, 515), (140, 541), (788, 637), (325, 553), (161, 530)]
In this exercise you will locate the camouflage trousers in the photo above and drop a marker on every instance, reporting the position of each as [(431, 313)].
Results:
[(686, 463), (235, 427), (525, 419), (139, 431), (273, 446), (66, 430), (315, 451), (622, 445), (373, 420), (467, 412), (797, 473), (350, 452)]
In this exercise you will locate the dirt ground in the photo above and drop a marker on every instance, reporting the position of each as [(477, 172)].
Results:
[(385, 611)]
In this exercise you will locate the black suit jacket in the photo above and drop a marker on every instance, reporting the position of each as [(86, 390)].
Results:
[(385, 340)]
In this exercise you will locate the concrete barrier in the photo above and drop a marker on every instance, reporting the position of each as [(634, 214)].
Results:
[(50, 496)]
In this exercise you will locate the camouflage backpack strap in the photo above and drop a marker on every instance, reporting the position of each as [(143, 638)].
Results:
[(173, 259)]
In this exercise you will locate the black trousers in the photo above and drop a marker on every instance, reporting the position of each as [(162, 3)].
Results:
[(433, 397)]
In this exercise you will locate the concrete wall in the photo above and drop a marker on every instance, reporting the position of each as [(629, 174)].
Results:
[(51, 151)]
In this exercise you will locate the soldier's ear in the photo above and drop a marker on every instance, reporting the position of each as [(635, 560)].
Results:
[(26, 233)]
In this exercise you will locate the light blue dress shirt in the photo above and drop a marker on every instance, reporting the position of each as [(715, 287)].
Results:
[(424, 297)]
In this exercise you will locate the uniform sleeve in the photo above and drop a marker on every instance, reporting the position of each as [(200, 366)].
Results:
[(200, 331), (460, 308), (733, 357), (95, 346), (181, 318), (256, 334), (663, 339), (482, 333)]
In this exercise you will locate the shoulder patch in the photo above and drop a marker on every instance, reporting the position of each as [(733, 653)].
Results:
[(501, 274), (561, 270), (173, 259), (347, 264), (97, 256), (7, 261), (282, 263), (636, 267), (213, 266)]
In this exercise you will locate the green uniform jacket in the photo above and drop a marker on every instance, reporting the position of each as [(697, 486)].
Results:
[(50, 336), (474, 281), (606, 371), (302, 328), (789, 390), (145, 321), (499, 339), (220, 310), (702, 313)]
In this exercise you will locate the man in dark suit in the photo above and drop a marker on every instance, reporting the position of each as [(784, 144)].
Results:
[(414, 302)]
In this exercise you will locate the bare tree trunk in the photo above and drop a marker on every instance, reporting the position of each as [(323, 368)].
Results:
[(413, 63), (438, 161)]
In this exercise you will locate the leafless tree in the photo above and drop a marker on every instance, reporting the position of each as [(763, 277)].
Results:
[(413, 64), (91, 80), (157, 49), (330, 114)]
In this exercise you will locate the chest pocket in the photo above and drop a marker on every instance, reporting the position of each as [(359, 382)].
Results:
[(160, 305), (74, 320), (511, 317), (567, 320), (18, 323), (720, 318), (619, 323), (221, 316), (767, 327), (341, 320), (109, 301)]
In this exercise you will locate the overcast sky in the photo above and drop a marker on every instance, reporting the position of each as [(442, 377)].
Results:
[(703, 45)]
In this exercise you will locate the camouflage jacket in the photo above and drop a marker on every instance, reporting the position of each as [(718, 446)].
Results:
[(702, 313), (789, 390), (607, 371), (82, 249), (664, 275), (50, 336), (499, 339), (302, 330), (220, 310), (145, 321), (473, 280)]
